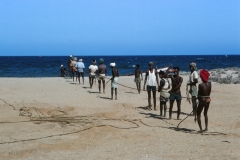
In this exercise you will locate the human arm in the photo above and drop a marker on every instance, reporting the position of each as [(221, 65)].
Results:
[(156, 73), (145, 80), (162, 83), (195, 79), (167, 72)]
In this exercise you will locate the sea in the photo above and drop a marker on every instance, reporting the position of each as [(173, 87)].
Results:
[(49, 66)]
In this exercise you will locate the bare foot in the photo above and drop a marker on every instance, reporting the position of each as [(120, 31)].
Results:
[(200, 131)]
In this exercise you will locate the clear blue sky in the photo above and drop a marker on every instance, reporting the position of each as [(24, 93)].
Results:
[(119, 27)]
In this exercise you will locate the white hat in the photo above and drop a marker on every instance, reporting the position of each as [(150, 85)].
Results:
[(80, 60), (70, 55), (61, 65), (112, 64)]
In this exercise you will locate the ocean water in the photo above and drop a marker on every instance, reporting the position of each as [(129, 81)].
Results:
[(49, 66)]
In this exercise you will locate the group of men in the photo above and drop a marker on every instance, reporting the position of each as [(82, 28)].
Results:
[(94, 71), (200, 92), (153, 84)]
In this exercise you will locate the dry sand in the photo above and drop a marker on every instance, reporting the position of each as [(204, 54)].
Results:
[(55, 118)]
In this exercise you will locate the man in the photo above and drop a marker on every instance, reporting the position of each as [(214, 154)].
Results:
[(62, 71), (193, 80), (164, 95), (204, 98), (151, 79), (137, 79), (92, 72), (102, 71), (70, 66), (114, 80), (175, 93), (80, 70), (73, 68)]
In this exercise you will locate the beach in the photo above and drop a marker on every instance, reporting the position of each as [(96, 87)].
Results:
[(56, 118)]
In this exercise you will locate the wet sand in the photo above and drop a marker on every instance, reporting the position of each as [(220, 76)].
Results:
[(56, 118)]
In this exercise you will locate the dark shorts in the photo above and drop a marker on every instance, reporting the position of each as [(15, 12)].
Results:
[(178, 97), (81, 74), (92, 76), (151, 88), (163, 99)]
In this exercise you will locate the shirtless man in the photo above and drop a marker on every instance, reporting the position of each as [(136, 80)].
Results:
[(102, 71), (164, 95), (114, 80), (73, 69), (151, 79), (193, 80), (137, 78), (204, 91), (175, 93), (70, 66)]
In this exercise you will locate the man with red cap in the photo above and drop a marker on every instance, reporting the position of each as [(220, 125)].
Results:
[(204, 91)]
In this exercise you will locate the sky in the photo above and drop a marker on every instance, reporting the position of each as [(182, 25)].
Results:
[(119, 27)]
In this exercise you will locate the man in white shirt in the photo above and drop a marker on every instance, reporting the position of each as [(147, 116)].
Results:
[(193, 80), (151, 79), (92, 72), (80, 70)]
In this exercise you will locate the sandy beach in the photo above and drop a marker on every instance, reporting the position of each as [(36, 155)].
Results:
[(56, 118)]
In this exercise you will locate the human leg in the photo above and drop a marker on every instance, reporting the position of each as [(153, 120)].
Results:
[(206, 116), (112, 93), (194, 105), (73, 75), (154, 100), (161, 107), (103, 81), (78, 75), (199, 111), (99, 86), (149, 99), (115, 93), (179, 109), (82, 77), (170, 109), (165, 109)]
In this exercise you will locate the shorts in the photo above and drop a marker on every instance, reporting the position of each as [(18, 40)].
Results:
[(163, 99), (178, 97), (137, 80), (115, 83), (193, 91), (92, 76), (151, 88), (81, 74), (101, 77)]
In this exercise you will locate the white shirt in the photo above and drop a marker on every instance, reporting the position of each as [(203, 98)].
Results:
[(80, 66), (151, 81), (193, 75), (93, 69)]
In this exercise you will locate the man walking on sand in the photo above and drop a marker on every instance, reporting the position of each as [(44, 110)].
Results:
[(175, 93), (137, 78), (80, 70), (92, 72), (163, 89), (204, 98), (114, 80), (151, 79), (70, 66), (193, 80), (102, 71)]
